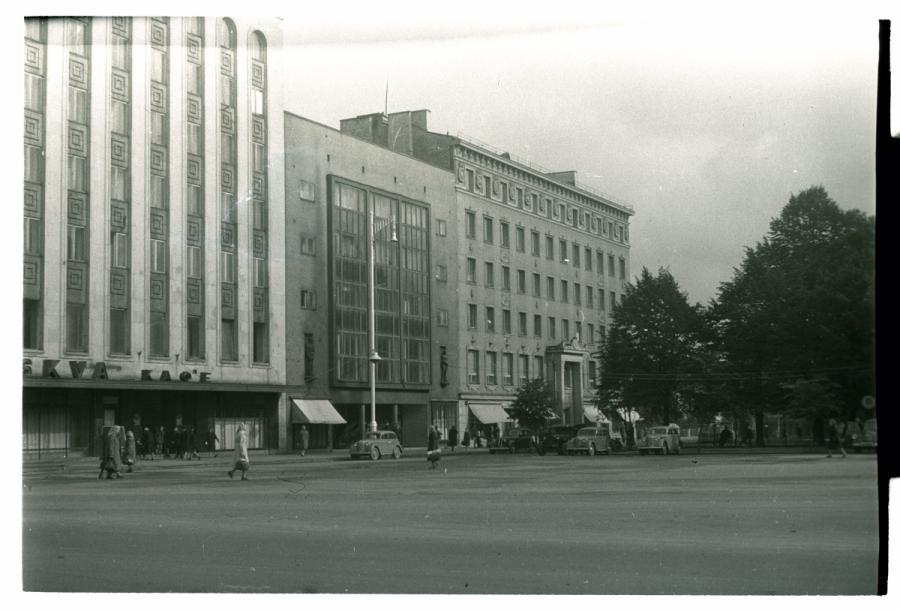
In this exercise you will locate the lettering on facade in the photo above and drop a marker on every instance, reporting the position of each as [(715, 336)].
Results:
[(100, 370)]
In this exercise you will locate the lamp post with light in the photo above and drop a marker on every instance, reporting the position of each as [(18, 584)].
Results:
[(374, 358)]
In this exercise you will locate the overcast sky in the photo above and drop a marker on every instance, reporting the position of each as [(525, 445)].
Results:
[(705, 126)]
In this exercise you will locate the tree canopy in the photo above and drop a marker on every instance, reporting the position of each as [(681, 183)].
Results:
[(533, 406)]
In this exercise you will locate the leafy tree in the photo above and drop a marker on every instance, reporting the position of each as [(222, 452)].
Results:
[(798, 316), (533, 406), (651, 358)]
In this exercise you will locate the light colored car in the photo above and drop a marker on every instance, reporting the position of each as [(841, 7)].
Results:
[(662, 440), (591, 440), (377, 444), (865, 436)]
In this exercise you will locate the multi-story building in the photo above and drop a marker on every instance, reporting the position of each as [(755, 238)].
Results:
[(541, 264), (153, 208)]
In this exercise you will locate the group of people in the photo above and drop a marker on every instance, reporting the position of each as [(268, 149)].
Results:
[(121, 448)]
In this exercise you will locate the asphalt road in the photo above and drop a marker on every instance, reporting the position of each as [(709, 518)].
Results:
[(489, 524)]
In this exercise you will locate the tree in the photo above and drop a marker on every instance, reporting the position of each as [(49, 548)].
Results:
[(797, 319), (651, 356), (533, 406)]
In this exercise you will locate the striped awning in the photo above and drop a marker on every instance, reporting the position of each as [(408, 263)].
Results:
[(314, 412)]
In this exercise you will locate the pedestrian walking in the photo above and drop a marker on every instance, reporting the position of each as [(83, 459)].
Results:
[(211, 440), (434, 448), (161, 448), (110, 453), (304, 440), (834, 440), (241, 456), (466, 439), (147, 444), (453, 438), (193, 443), (130, 453)]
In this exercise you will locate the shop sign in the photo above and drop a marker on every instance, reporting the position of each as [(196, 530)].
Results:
[(99, 370)]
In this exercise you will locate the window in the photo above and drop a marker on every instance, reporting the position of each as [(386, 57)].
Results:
[(565, 329), (611, 268), (537, 325), (576, 255), (551, 288), (612, 300), (592, 371), (535, 243), (194, 262), (307, 245), (75, 243), (229, 340), (307, 299), (488, 224), (490, 365), (489, 275), (227, 260), (551, 326), (470, 180), (548, 247), (523, 324), (536, 284), (523, 369), (507, 322), (489, 319), (31, 323), (589, 295), (32, 241), (504, 192), (578, 332), (577, 293), (473, 366), (621, 268), (195, 337), (441, 227), (470, 224), (602, 331), (520, 197), (443, 317), (588, 259), (309, 349), (564, 291), (520, 274), (600, 262), (488, 190), (538, 367), (441, 273), (505, 278), (76, 327), (157, 256), (520, 239), (159, 333), (563, 252), (601, 299), (118, 331), (504, 234), (259, 275), (507, 369), (590, 334), (471, 270), (473, 317)]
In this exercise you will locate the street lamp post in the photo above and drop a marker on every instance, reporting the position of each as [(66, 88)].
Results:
[(374, 358)]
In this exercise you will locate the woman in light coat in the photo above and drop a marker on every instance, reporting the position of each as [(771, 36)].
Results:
[(110, 453), (241, 457)]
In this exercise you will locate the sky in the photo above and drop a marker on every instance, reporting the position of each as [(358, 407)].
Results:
[(705, 126)]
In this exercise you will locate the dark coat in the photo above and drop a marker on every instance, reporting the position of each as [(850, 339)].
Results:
[(454, 436), (433, 440)]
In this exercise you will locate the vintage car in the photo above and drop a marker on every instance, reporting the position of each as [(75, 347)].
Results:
[(865, 436), (591, 441), (519, 440), (377, 444), (555, 439), (662, 440)]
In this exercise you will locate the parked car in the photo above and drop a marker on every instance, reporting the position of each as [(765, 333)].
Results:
[(865, 437), (615, 437), (662, 440), (377, 444), (555, 439), (519, 440), (591, 440)]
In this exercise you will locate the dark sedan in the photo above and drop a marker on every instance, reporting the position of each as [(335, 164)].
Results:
[(555, 439), (518, 441)]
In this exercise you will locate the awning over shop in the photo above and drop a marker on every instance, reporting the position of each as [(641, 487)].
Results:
[(314, 412), (489, 413), (590, 413)]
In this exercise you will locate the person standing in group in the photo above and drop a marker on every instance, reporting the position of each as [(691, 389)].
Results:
[(110, 453), (192, 440), (241, 456), (161, 449), (466, 439), (147, 444), (434, 447), (834, 440), (211, 440), (453, 438), (130, 451), (304, 440)]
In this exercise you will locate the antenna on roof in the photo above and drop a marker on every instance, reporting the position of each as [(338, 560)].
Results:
[(386, 83)]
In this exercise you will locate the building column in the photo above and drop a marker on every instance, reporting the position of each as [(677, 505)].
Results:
[(284, 421)]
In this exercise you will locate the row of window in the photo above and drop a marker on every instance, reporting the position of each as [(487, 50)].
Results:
[(547, 207), (498, 368), (537, 325), (551, 246)]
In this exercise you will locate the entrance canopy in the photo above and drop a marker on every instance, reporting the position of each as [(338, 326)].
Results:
[(593, 414), (489, 413), (314, 412)]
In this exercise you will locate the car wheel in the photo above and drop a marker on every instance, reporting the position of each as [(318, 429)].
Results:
[(375, 453), (592, 451), (396, 452)]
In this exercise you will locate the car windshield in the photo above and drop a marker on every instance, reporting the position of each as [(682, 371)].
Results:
[(373, 436), (587, 432), (659, 430)]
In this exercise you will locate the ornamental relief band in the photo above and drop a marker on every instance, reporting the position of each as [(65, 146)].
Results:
[(101, 371)]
